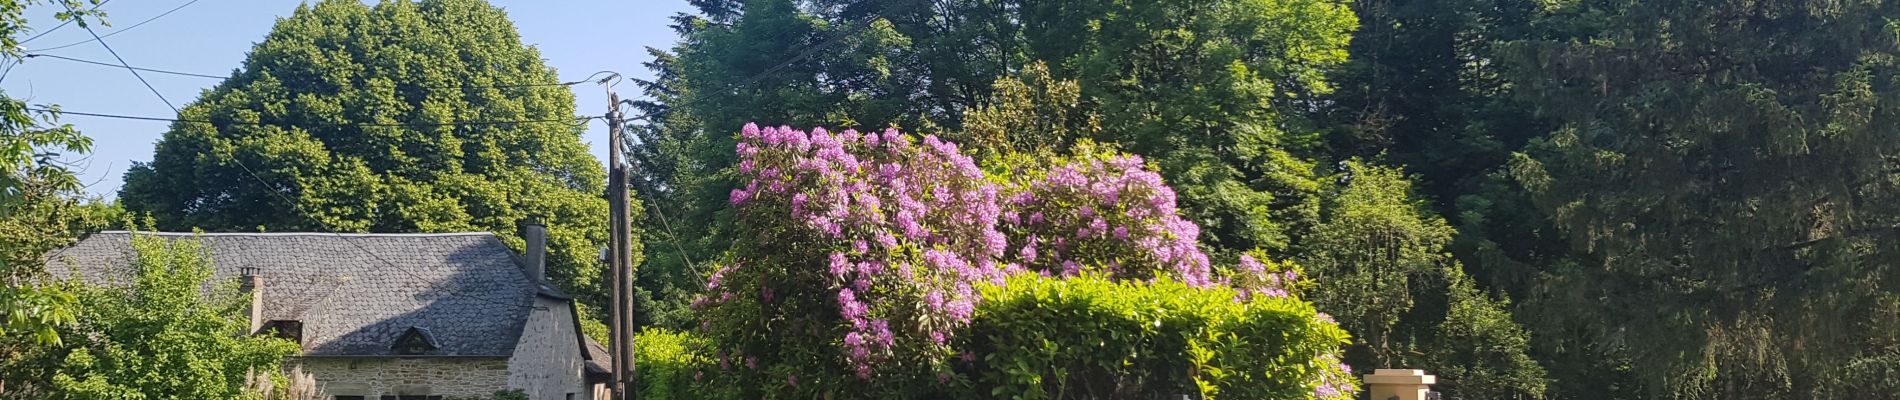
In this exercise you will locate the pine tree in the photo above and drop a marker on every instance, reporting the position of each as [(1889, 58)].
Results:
[(1724, 173)]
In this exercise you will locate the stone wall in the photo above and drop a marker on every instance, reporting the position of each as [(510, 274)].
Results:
[(444, 376), (547, 363)]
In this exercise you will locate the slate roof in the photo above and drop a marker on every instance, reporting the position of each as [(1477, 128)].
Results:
[(466, 289)]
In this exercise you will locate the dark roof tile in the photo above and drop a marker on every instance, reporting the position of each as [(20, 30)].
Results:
[(466, 287)]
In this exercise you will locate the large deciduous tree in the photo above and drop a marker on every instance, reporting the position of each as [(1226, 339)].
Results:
[(405, 116), (1726, 174)]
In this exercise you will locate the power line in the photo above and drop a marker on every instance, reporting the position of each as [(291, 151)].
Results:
[(575, 119), (860, 26), (863, 24), (294, 206), (208, 76), (109, 34), (128, 67), (260, 180), (63, 24), (35, 55)]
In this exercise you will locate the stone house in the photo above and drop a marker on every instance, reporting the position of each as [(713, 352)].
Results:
[(397, 316)]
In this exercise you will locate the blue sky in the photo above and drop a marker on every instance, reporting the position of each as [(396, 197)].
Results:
[(211, 37)]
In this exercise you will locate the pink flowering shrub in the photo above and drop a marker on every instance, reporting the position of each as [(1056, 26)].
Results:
[(859, 257), (1105, 215)]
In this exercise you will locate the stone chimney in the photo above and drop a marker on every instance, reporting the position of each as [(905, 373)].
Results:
[(253, 285), (536, 255)]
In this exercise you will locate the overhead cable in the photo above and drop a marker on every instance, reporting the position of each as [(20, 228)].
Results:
[(121, 30)]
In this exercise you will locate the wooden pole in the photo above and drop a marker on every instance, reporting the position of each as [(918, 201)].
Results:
[(622, 339)]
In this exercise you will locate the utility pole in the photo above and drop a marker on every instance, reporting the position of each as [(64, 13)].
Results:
[(618, 244)]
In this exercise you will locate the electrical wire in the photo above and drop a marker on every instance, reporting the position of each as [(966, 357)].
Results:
[(575, 119), (862, 24), (208, 76), (109, 34), (36, 55), (128, 66), (63, 24), (247, 169)]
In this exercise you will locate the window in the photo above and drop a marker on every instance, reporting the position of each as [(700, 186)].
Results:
[(415, 341), (350, 398), (285, 329), (570, 396)]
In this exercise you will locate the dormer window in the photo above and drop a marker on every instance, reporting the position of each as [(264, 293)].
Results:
[(284, 329), (414, 342)]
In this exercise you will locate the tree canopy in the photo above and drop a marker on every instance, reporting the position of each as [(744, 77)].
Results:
[(1724, 173), (405, 116)]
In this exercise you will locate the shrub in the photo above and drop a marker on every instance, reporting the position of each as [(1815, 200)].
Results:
[(858, 256), (856, 261), (1082, 338), (1102, 213), (668, 364)]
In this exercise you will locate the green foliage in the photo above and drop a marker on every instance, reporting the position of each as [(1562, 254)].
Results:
[(1380, 265), (593, 328), (667, 364), (1078, 338), (1473, 346), (1031, 113), (1373, 243), (169, 333), (1723, 174), (1205, 88), (418, 67), (39, 195)]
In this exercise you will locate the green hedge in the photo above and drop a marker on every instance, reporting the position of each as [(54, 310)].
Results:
[(1088, 338), (1081, 338), (666, 362)]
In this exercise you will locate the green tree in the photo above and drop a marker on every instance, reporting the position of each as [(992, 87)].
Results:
[(169, 332), (1030, 113), (1380, 265), (1209, 89), (357, 118), (39, 197), (1724, 172)]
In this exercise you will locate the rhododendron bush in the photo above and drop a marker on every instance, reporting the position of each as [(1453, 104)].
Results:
[(860, 258)]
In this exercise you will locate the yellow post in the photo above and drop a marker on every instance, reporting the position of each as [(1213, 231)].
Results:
[(1399, 384)]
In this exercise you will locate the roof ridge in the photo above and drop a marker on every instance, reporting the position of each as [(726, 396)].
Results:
[(268, 234)]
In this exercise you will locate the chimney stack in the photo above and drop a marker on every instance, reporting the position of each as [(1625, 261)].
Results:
[(536, 235), (253, 285)]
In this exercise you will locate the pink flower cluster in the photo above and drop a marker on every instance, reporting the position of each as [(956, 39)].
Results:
[(1109, 216), (1335, 381), (895, 233), (908, 229), (1254, 278)]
